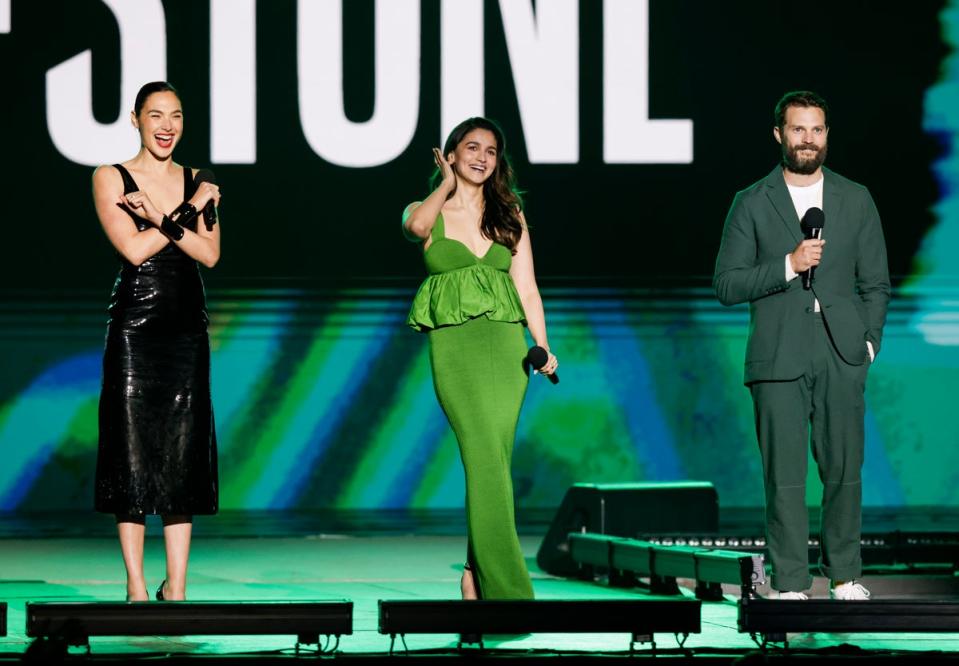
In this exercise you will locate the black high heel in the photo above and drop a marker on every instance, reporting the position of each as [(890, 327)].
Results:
[(160, 590)]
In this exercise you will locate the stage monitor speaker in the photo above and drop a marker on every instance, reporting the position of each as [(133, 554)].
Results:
[(634, 510)]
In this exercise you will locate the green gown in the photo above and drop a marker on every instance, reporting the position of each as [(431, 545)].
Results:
[(474, 318)]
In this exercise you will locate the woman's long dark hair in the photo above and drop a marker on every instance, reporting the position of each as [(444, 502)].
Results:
[(501, 199)]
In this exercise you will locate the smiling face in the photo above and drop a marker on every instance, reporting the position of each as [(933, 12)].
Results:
[(160, 123), (475, 157)]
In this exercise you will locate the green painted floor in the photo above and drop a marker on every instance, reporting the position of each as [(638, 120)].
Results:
[(362, 569)]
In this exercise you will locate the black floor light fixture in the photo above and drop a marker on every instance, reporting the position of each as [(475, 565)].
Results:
[(641, 618), (73, 623), (770, 620)]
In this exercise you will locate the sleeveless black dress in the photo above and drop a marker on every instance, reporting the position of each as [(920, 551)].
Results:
[(157, 449)]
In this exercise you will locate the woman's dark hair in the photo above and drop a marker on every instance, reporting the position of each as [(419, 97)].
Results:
[(147, 90), (803, 98), (502, 202)]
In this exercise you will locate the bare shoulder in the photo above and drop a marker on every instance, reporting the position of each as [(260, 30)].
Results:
[(410, 208), (107, 177)]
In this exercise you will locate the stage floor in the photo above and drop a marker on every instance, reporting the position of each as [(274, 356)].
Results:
[(364, 569)]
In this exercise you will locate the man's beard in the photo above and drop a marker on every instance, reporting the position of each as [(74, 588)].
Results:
[(793, 162)]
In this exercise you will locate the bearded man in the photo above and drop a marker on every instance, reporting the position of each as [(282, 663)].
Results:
[(811, 341)]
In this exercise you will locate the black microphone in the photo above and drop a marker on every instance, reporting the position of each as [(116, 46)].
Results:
[(209, 211), (812, 224), (536, 358)]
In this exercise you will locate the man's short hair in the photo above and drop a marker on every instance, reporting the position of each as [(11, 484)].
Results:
[(804, 98)]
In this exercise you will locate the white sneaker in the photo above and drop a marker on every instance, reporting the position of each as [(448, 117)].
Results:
[(789, 596), (851, 591)]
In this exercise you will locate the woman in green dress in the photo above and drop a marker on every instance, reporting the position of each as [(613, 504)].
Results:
[(480, 292)]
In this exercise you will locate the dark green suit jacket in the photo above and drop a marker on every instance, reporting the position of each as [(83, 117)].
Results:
[(851, 282)]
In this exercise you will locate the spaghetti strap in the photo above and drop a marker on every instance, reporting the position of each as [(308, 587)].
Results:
[(189, 183), (129, 185)]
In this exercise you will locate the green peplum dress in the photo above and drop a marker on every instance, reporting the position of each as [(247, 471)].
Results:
[(474, 318)]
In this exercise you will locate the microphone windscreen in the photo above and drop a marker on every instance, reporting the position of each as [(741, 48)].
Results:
[(204, 176), (537, 357), (814, 219)]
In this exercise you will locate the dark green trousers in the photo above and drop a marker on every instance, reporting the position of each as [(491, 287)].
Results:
[(825, 406)]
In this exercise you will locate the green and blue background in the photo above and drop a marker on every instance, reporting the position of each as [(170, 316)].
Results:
[(323, 398)]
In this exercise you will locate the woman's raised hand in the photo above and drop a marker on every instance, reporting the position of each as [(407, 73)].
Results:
[(446, 169)]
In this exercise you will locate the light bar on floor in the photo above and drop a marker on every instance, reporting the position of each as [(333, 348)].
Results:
[(640, 618), (664, 564), (75, 622), (591, 549), (774, 618), (630, 560), (714, 567), (878, 548)]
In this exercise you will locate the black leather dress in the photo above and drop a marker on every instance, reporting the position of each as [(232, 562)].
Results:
[(157, 450)]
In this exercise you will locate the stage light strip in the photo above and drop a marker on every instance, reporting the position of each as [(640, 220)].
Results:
[(774, 618), (878, 548), (77, 621), (642, 617), (708, 567)]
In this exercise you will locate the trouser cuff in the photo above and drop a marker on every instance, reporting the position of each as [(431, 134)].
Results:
[(846, 573), (790, 584)]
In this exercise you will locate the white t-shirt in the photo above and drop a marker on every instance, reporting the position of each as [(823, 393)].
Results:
[(804, 198)]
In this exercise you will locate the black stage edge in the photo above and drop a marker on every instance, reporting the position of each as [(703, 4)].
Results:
[(774, 618), (474, 619), (74, 622)]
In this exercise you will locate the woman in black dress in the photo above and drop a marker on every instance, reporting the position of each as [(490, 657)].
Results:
[(157, 451)]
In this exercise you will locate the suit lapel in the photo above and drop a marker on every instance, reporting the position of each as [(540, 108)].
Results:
[(782, 202), (831, 200)]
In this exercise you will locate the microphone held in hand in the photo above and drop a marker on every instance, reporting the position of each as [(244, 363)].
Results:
[(536, 358), (812, 224), (209, 211)]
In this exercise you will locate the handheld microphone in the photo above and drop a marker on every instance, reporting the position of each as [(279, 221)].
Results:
[(209, 211), (536, 358), (812, 224)]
